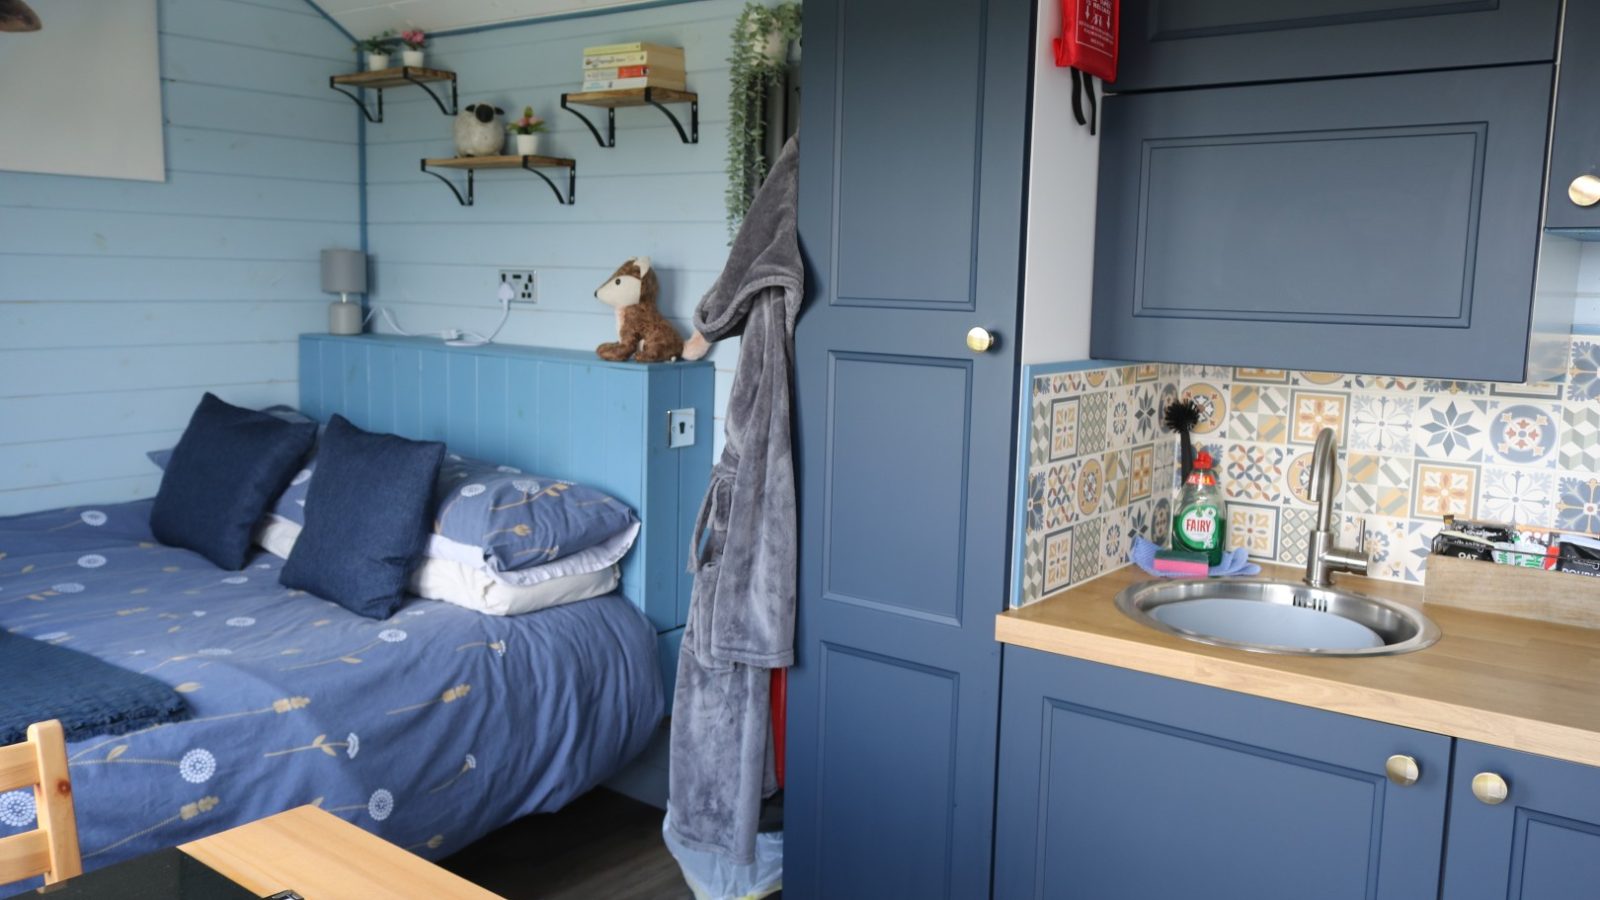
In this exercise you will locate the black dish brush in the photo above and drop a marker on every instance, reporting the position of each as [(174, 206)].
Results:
[(1182, 416)]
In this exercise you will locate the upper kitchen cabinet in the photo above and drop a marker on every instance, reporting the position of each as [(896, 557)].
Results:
[(1194, 43), (1386, 224), (1575, 147)]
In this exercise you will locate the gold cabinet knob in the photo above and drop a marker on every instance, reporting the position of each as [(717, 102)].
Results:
[(1402, 769), (1490, 788), (1584, 190), (980, 339)]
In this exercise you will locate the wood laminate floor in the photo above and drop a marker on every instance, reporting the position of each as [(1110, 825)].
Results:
[(603, 846)]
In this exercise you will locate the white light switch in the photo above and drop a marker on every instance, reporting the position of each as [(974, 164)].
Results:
[(680, 427)]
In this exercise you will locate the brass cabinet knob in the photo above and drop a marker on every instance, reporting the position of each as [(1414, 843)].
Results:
[(1490, 788), (1584, 190), (980, 339), (1402, 769)]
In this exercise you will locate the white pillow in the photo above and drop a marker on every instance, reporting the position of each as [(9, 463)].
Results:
[(476, 588), (442, 579), (606, 553)]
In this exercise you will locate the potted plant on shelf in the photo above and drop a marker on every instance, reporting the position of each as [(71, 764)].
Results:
[(412, 41), (761, 40), (527, 131), (377, 50)]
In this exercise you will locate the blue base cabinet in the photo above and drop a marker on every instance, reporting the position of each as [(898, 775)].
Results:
[(1541, 843), (1117, 785)]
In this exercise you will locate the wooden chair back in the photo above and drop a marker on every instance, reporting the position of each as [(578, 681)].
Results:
[(51, 849)]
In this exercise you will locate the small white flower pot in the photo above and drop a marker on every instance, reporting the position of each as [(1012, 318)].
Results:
[(527, 144), (410, 57), (377, 62), (768, 45)]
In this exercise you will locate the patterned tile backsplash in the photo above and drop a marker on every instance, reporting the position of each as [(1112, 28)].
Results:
[(1100, 467), (1096, 456)]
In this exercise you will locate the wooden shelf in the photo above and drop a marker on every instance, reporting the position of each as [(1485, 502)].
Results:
[(610, 101), (471, 164), (630, 97), (500, 162), (397, 76)]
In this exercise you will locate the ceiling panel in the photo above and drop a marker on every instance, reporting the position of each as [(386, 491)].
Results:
[(364, 17)]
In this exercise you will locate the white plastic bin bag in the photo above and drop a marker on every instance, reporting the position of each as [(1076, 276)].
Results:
[(713, 877)]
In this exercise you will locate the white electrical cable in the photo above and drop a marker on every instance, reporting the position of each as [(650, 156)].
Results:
[(453, 337)]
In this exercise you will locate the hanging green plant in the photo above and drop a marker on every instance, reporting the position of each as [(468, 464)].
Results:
[(760, 40)]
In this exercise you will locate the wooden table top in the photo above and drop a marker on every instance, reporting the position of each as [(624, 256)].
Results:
[(324, 857), (1512, 682)]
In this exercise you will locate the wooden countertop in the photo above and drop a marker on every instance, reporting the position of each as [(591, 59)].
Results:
[(324, 857), (1517, 683)]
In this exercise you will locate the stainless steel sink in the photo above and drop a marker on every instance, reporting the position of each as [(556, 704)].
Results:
[(1278, 617)]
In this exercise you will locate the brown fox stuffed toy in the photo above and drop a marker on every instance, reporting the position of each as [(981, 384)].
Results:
[(643, 335)]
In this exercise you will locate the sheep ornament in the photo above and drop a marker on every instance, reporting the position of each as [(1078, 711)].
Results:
[(643, 334), (479, 131)]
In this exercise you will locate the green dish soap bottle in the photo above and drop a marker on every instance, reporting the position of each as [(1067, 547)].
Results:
[(1201, 522)]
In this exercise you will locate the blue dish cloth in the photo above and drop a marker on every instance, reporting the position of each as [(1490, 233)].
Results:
[(1234, 562)]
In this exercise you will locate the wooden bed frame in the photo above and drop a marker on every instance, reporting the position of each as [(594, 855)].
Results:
[(557, 413)]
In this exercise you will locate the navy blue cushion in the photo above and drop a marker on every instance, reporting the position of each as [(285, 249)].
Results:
[(228, 467), (367, 515)]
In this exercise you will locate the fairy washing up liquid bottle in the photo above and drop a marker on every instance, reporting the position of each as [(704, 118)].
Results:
[(1201, 523)]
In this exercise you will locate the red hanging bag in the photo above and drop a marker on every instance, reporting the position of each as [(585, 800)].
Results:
[(1088, 39), (1088, 46)]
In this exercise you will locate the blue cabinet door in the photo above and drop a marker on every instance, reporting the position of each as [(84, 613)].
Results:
[(1541, 843), (1575, 141), (1191, 43), (911, 191), (1116, 785), (1384, 225)]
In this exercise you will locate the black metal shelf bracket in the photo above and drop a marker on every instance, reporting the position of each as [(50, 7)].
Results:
[(468, 198), (437, 100), (405, 72), (609, 139), (463, 200), (693, 137), (572, 182), (375, 119)]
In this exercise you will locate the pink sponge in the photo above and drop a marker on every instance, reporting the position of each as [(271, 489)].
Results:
[(1182, 563)]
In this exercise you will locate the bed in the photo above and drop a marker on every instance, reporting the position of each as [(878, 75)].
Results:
[(429, 728)]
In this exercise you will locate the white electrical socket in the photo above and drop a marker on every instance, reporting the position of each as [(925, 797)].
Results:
[(524, 281), (680, 427)]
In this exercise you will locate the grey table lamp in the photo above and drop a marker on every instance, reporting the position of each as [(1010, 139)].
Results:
[(344, 272)]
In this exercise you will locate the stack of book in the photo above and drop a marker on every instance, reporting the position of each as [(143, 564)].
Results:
[(617, 67)]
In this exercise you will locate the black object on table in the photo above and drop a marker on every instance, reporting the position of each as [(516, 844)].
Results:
[(168, 874)]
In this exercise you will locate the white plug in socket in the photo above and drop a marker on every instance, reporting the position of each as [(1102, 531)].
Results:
[(523, 282)]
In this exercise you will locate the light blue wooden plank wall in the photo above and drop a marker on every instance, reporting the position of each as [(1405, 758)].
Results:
[(120, 301), (552, 412), (436, 263)]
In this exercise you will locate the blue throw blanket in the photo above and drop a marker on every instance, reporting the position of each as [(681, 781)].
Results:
[(40, 681)]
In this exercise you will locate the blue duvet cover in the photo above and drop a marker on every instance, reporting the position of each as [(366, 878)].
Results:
[(429, 728)]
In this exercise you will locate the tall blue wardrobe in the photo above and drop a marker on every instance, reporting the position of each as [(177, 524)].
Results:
[(913, 154)]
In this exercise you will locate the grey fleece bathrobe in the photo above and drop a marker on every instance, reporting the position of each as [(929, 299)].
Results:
[(741, 615)]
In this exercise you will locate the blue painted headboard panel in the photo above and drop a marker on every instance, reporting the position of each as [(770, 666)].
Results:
[(560, 413)]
